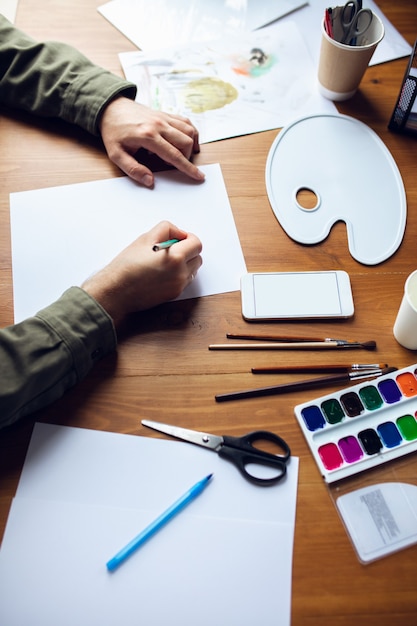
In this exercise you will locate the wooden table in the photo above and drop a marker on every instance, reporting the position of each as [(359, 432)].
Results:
[(163, 369)]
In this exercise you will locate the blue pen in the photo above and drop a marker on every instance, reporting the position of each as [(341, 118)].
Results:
[(157, 524)]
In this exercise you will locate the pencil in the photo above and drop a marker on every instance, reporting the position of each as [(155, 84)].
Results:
[(301, 385), (164, 244), (328, 22), (305, 369)]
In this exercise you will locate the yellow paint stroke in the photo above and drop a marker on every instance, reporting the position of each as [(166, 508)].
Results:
[(208, 93)]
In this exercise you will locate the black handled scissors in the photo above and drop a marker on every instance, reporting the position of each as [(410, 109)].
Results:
[(238, 450)]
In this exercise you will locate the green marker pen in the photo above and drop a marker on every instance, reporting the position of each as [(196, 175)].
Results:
[(164, 244)]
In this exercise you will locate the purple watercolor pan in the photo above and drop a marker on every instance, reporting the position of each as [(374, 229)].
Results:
[(363, 426)]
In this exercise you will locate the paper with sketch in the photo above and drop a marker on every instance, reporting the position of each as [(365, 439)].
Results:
[(61, 235), (150, 25), (230, 87), (74, 509)]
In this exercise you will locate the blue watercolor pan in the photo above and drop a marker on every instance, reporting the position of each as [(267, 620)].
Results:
[(363, 426)]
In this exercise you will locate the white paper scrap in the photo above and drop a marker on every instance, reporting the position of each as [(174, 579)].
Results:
[(380, 519)]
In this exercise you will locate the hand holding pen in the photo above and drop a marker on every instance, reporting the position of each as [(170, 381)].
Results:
[(139, 279)]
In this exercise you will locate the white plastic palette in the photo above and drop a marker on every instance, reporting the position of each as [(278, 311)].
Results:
[(353, 177), (362, 426)]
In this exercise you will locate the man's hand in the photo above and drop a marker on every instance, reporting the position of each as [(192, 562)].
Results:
[(140, 278), (127, 126)]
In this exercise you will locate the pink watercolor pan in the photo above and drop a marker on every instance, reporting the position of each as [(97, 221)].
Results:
[(363, 426)]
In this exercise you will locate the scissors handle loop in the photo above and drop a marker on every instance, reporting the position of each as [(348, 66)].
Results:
[(242, 452), (355, 21)]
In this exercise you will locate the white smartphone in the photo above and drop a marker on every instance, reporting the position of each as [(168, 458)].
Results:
[(296, 295)]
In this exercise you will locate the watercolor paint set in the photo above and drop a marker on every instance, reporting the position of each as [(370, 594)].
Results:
[(363, 426), (360, 428)]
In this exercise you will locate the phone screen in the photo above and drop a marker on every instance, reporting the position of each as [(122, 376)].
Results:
[(297, 295)]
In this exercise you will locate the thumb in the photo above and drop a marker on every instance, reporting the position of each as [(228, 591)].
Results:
[(137, 171)]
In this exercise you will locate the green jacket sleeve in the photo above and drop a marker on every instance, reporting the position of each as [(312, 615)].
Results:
[(45, 355), (54, 80)]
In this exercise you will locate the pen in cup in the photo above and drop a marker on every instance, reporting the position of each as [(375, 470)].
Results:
[(164, 244), (328, 22)]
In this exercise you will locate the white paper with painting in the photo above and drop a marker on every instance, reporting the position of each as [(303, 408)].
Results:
[(232, 86)]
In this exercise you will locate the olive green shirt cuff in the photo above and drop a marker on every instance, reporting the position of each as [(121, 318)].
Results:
[(43, 356)]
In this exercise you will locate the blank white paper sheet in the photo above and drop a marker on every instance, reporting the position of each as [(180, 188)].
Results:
[(83, 494), (8, 8), (62, 235), (167, 22)]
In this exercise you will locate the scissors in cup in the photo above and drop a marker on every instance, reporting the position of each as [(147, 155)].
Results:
[(355, 21), (238, 450)]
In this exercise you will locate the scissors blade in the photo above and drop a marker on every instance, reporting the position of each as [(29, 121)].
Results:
[(213, 442)]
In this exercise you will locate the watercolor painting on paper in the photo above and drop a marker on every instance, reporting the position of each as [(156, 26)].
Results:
[(230, 87)]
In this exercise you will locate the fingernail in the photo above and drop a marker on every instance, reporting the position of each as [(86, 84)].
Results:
[(147, 180)]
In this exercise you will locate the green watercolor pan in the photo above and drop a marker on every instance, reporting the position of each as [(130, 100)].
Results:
[(363, 426)]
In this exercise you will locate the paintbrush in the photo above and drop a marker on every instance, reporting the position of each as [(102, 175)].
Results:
[(329, 369), (286, 338), (295, 345), (302, 385)]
